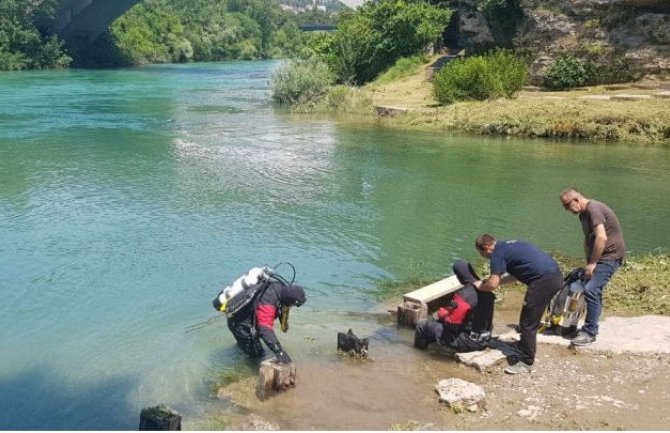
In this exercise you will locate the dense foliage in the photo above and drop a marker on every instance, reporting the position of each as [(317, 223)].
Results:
[(590, 69), (371, 39), (154, 31), (566, 72), (21, 44), (300, 81), (498, 74), (204, 30)]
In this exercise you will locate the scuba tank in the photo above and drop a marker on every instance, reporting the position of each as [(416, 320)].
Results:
[(574, 303), (567, 305), (241, 291)]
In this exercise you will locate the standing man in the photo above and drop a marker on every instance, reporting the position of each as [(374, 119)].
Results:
[(533, 267), (604, 248)]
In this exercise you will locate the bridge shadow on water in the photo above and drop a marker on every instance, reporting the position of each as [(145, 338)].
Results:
[(34, 400)]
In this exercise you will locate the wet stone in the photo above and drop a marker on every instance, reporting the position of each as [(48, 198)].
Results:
[(160, 417)]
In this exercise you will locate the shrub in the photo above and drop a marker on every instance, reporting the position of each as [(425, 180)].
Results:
[(567, 72), (497, 74), (510, 70), (300, 81), (612, 68)]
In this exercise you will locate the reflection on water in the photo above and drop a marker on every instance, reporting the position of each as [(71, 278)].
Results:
[(128, 198)]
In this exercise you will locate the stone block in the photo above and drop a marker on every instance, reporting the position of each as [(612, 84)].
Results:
[(626, 97), (159, 417), (410, 313), (596, 97), (389, 111), (274, 377)]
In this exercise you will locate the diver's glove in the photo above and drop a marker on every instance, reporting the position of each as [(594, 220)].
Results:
[(283, 358)]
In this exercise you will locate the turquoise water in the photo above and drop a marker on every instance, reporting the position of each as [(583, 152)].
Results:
[(128, 198)]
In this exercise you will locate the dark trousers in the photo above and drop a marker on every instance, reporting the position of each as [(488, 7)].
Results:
[(242, 327), (535, 302), (430, 331), (482, 315)]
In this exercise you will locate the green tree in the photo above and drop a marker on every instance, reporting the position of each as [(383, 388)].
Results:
[(371, 39), (205, 30), (22, 46)]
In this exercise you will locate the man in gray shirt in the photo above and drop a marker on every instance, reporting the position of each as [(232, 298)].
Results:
[(604, 249)]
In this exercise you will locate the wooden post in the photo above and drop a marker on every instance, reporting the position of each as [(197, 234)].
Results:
[(274, 377), (159, 417), (410, 313)]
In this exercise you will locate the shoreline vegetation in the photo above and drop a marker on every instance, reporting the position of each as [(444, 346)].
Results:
[(640, 286), (635, 112)]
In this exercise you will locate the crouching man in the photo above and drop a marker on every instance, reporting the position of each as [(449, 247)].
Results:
[(453, 319)]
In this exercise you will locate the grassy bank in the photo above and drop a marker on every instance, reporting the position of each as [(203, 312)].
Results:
[(641, 286), (563, 115)]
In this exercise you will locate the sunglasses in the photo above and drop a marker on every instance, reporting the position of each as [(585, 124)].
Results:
[(566, 204)]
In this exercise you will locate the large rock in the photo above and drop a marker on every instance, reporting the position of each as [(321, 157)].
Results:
[(637, 30), (657, 27), (548, 26), (456, 392), (475, 29)]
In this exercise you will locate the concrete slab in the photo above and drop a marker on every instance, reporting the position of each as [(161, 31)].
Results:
[(650, 85), (642, 334), (390, 111), (596, 97), (441, 288), (626, 97), (637, 335), (433, 291)]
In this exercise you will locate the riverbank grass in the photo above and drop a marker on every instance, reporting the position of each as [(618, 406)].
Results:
[(640, 286), (585, 113)]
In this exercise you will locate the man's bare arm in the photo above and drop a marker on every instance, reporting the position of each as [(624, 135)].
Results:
[(488, 285)]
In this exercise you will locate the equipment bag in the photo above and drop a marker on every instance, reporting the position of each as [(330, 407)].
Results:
[(567, 306)]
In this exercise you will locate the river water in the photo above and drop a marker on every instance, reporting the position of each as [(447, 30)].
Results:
[(129, 197)]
